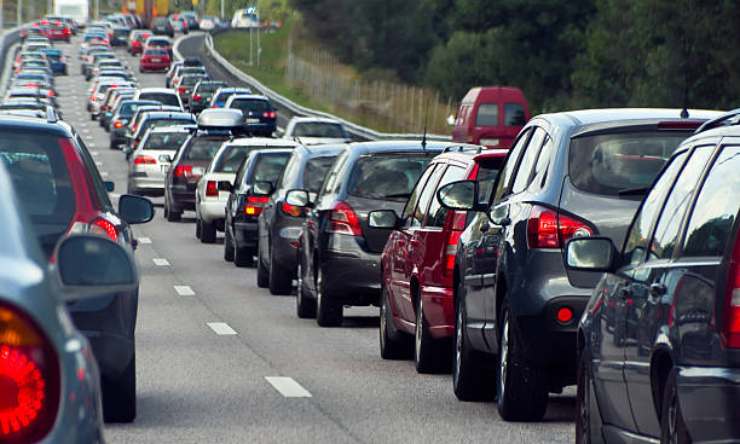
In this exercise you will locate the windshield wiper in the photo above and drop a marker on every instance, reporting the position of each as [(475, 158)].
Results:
[(633, 191)]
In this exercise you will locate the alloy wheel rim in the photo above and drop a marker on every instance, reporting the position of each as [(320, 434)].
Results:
[(504, 364), (299, 283), (583, 411), (383, 325), (672, 419), (319, 290), (417, 336), (458, 343)]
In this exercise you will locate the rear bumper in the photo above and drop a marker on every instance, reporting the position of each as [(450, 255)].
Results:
[(154, 66), (246, 233), (709, 397), (212, 210), (261, 128), (351, 275), (439, 310), (183, 200)]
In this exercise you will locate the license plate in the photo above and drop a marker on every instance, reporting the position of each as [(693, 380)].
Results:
[(156, 60), (489, 142), (253, 120), (198, 171)]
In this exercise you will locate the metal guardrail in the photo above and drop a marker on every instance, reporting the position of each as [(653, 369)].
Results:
[(9, 39), (353, 128)]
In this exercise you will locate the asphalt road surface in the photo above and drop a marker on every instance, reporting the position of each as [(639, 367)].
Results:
[(220, 360)]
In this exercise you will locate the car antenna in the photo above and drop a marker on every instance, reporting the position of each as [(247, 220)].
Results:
[(685, 110), (424, 136)]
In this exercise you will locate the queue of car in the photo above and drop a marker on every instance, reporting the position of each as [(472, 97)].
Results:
[(597, 248)]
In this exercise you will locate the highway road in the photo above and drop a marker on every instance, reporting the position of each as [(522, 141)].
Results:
[(220, 360)]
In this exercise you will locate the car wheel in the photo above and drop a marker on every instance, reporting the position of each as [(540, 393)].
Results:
[(173, 216), (430, 355), (119, 396), (672, 425), (305, 308), (522, 390), (473, 376), (197, 229), (263, 276), (281, 280), (394, 344), (328, 312), (228, 246), (588, 421), (243, 257), (207, 232)]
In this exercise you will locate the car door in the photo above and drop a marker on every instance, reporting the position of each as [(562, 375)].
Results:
[(648, 311), (609, 337)]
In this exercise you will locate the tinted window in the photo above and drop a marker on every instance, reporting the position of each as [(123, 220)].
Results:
[(487, 173), (716, 207), (511, 160), (209, 87), (231, 158), (438, 213), (487, 115), (610, 163), (203, 148), (524, 172), (667, 230), (319, 129), (639, 234), (156, 52), (163, 98), (414, 198), (269, 167), (539, 175), (514, 115), (427, 193), (162, 122), (165, 141), (315, 173), (128, 108), (386, 177), (251, 105), (190, 80)]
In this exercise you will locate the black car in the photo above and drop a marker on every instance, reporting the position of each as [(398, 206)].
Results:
[(339, 254), (185, 86), (120, 36), (159, 118), (260, 117), (162, 26), (200, 98), (673, 372), (568, 175), (280, 223), (255, 180)]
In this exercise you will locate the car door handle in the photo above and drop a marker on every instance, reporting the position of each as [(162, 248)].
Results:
[(657, 289)]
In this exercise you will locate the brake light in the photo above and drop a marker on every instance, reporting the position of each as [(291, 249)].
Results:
[(456, 223), (548, 229), (183, 171), (50, 93), (197, 97), (29, 379), (181, 89), (254, 205), (291, 210), (117, 124), (103, 227), (269, 114), (144, 160), (211, 189), (344, 220), (731, 331)]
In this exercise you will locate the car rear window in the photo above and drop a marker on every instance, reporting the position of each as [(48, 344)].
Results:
[(316, 171), (209, 87), (36, 165), (190, 80), (319, 129), (386, 176), (156, 52), (254, 105), (204, 148), (233, 155), (157, 123), (161, 43), (163, 98), (269, 167), (514, 115), (611, 164), (487, 115), (165, 141)]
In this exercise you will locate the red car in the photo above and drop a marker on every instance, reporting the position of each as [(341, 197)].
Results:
[(154, 60), (136, 42), (491, 116), (59, 31), (418, 261)]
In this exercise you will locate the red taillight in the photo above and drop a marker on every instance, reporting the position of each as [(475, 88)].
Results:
[(29, 379), (181, 89), (269, 114), (456, 225), (104, 227), (254, 205), (548, 229), (183, 171), (211, 188), (731, 331), (344, 220), (117, 124), (291, 210), (197, 97), (50, 93), (145, 160), (564, 315)]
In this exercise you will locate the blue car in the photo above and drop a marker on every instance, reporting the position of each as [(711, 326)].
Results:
[(57, 61)]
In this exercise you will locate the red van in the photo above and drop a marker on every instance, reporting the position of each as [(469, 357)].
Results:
[(491, 116)]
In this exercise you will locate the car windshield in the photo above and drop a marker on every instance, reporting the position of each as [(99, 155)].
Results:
[(158, 123), (386, 176), (319, 129), (269, 167), (315, 172), (190, 80), (204, 148), (612, 164), (161, 97), (165, 141), (208, 87), (254, 105)]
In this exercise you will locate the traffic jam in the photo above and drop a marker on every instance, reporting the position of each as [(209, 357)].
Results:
[(573, 275)]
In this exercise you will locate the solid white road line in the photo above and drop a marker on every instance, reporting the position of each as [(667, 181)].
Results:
[(114, 195), (184, 290), (144, 240), (221, 328), (161, 262), (104, 174), (288, 387)]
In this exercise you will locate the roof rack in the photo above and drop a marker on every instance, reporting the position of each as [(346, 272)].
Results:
[(722, 120), (51, 115), (462, 149)]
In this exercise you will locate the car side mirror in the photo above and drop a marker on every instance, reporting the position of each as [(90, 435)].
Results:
[(165, 158), (90, 266), (224, 185), (387, 219), (590, 254), (262, 188), (298, 198), (461, 195), (109, 186), (135, 209)]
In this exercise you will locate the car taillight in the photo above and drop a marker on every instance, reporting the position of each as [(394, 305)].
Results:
[(29, 379), (181, 89), (103, 227), (731, 331), (548, 229), (117, 124), (211, 188), (291, 210), (344, 220), (269, 114), (145, 160), (183, 171), (254, 205), (197, 97), (456, 227), (50, 93)]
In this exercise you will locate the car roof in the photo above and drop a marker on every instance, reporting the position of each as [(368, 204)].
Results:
[(314, 119), (173, 129), (35, 125), (391, 146), (616, 117), (466, 153), (732, 130), (263, 141), (169, 114), (249, 96), (157, 90)]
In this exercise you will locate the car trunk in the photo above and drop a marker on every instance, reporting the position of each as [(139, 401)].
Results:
[(375, 238)]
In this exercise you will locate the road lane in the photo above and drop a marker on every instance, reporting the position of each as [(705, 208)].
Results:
[(198, 386)]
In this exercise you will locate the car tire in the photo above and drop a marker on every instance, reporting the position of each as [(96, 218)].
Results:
[(197, 229), (207, 232), (394, 344), (430, 355), (281, 281), (672, 425), (473, 375), (228, 246), (588, 421), (328, 312), (522, 388), (243, 257), (305, 308), (172, 215), (263, 275), (119, 396)]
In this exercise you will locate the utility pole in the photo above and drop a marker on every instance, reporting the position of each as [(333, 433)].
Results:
[(97, 9), (2, 10), (49, 7), (223, 11), (19, 13)]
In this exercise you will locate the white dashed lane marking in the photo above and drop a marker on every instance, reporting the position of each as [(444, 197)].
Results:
[(288, 387), (221, 328), (144, 240), (104, 174), (161, 262), (184, 290)]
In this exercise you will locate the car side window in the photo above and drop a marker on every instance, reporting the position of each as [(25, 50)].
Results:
[(539, 174), (669, 222), (524, 172), (716, 209), (239, 180), (98, 188), (408, 210), (437, 212), (639, 233), (504, 178), (425, 197)]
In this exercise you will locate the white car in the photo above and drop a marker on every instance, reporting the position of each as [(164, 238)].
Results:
[(211, 194), (315, 131), (150, 159), (165, 96)]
